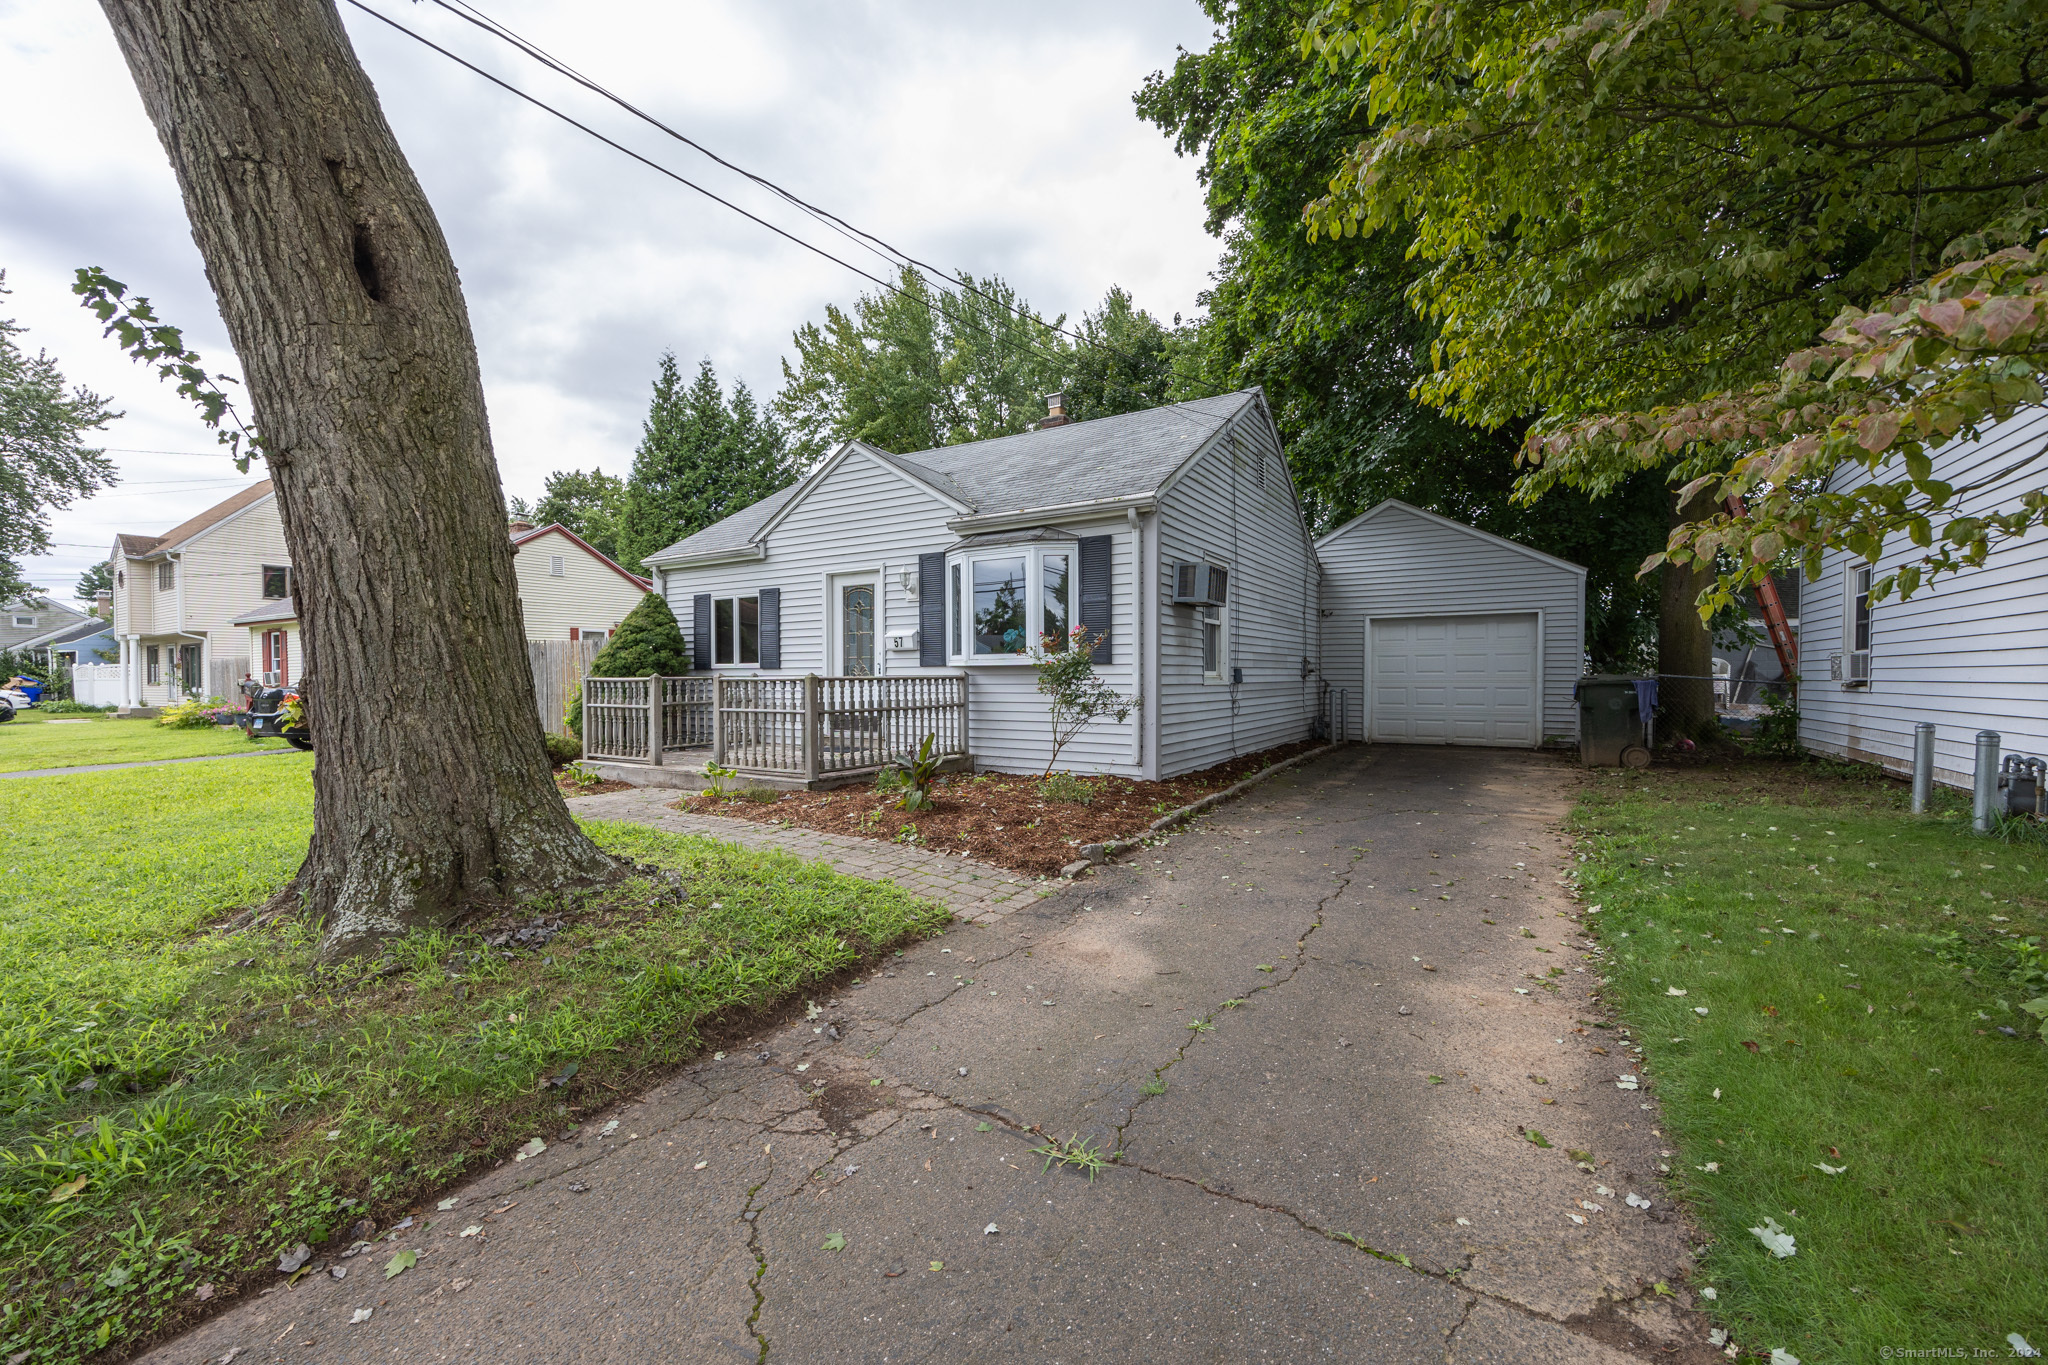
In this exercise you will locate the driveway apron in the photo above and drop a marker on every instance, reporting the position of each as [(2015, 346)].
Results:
[(1338, 1034)]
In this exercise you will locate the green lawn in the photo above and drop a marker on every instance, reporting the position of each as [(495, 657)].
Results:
[(1818, 978), (177, 1105), (34, 741)]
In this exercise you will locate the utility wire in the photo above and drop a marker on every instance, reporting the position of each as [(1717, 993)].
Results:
[(930, 304), (860, 237)]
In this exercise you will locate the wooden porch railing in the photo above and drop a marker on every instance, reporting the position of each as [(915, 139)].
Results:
[(620, 713), (809, 727)]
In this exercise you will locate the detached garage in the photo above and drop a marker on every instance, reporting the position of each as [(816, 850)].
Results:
[(1442, 634)]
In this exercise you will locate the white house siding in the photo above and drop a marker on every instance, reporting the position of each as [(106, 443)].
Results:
[(1969, 652), (864, 516), (1234, 505), (1397, 561), (590, 594), (221, 576)]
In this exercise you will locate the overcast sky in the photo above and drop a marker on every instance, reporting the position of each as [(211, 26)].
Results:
[(993, 138)]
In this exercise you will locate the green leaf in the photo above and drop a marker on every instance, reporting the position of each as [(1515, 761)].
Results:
[(399, 1264), (1536, 1137), (68, 1189), (835, 1242)]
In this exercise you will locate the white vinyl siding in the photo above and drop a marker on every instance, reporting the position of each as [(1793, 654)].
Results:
[(587, 592), (861, 516), (1398, 562), (1234, 507), (1969, 652)]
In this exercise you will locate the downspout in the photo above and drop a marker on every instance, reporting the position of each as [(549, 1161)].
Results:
[(1139, 589)]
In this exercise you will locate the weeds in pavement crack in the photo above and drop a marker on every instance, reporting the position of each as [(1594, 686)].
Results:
[(760, 1272), (1077, 1152)]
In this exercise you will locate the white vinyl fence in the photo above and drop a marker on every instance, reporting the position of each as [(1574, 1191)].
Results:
[(96, 684)]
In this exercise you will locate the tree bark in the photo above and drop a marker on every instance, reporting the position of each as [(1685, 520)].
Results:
[(1685, 649), (431, 787)]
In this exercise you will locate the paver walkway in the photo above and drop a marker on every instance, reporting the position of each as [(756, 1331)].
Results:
[(974, 891), (1300, 1025)]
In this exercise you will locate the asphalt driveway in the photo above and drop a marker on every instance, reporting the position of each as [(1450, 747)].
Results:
[(1328, 1030)]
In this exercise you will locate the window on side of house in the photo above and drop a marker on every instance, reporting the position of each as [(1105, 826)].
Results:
[(1856, 625), (277, 582), (1209, 620), (166, 576), (555, 569), (736, 630), (24, 622), (152, 666), (1007, 600)]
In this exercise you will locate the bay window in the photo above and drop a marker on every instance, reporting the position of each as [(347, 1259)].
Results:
[(736, 630), (1005, 600)]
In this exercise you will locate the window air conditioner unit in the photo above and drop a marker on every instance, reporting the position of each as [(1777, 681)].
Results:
[(1200, 585), (270, 679)]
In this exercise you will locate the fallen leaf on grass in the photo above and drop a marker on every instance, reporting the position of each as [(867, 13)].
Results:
[(203, 1292), (834, 1242), (1750, 1045), (1776, 1240), (1827, 1169), (399, 1264), (1673, 990), (68, 1189), (1779, 1355)]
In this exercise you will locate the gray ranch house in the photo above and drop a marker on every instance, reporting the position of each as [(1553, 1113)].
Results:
[(885, 596), (1173, 536)]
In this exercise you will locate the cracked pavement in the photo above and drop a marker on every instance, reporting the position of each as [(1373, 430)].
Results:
[(1316, 1061)]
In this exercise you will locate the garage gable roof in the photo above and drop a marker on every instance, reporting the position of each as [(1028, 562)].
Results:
[(1396, 505)]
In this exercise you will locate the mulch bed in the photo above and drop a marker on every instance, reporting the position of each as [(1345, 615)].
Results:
[(571, 787), (996, 817)]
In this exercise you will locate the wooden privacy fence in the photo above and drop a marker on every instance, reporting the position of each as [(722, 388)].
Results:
[(808, 727), (558, 665)]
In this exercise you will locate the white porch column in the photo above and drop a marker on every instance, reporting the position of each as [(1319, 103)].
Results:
[(128, 666)]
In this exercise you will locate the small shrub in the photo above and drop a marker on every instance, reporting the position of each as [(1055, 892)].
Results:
[(647, 642), (193, 714), (1069, 788), (1777, 729), (760, 796), (562, 749), (73, 708), (890, 781), (572, 714), (583, 775)]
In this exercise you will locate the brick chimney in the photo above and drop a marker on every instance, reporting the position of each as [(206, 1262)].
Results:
[(518, 528), (1055, 412), (103, 604)]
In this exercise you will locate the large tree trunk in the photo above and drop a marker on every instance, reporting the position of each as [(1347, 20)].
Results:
[(1685, 650), (431, 785)]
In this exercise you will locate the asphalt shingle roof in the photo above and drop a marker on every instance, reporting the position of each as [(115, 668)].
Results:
[(1111, 457)]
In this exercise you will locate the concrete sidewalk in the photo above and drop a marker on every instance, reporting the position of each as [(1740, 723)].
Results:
[(1294, 1021)]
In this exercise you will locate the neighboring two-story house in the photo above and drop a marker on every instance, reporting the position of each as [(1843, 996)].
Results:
[(177, 597), (209, 602)]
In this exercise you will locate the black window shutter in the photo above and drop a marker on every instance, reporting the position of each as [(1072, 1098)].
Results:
[(700, 631), (771, 627), (1095, 595), (931, 610)]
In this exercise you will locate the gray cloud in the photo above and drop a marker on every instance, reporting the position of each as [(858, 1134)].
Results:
[(993, 139)]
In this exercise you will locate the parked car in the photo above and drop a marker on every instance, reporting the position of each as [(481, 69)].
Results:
[(12, 700), (275, 713), (22, 684)]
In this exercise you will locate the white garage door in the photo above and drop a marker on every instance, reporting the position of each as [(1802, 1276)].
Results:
[(1454, 679)]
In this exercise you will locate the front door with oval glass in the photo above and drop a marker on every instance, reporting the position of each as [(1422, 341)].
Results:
[(853, 627)]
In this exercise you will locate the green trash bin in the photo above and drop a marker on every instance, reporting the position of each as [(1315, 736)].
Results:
[(1610, 723)]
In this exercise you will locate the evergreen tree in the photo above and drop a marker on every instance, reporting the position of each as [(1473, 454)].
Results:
[(702, 457), (95, 580), (647, 642)]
